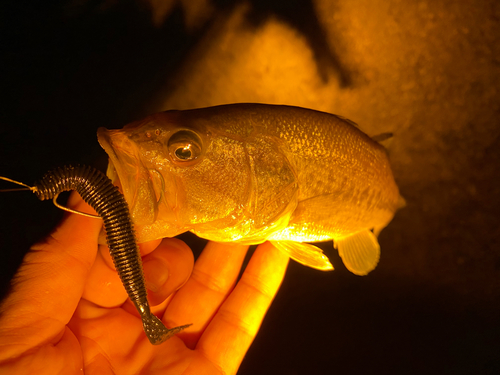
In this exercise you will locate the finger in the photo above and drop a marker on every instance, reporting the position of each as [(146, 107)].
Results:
[(232, 330), (48, 285), (213, 278), (145, 248), (104, 287), (166, 269), (148, 247)]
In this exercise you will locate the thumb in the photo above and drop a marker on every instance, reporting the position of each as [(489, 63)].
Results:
[(49, 283)]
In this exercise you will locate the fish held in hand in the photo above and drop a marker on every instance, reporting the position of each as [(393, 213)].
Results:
[(251, 173)]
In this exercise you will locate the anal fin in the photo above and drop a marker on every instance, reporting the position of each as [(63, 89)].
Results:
[(359, 252), (305, 253)]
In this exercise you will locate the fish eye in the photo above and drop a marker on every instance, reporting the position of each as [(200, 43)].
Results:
[(184, 145)]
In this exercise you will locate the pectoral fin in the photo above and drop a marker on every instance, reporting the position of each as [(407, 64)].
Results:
[(304, 253), (359, 252)]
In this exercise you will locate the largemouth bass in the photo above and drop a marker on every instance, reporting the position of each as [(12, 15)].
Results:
[(251, 173)]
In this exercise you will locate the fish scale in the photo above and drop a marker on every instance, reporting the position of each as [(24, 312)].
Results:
[(255, 172)]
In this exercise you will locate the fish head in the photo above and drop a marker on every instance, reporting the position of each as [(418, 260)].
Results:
[(177, 173)]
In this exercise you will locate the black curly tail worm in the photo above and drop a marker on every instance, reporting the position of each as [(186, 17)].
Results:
[(98, 191)]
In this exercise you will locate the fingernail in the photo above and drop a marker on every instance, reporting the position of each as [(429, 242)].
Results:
[(156, 274)]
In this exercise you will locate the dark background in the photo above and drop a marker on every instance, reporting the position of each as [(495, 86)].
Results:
[(428, 71)]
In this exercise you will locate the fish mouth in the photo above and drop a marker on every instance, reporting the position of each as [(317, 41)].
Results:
[(128, 173)]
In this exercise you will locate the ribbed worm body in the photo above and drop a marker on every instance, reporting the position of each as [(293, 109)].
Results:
[(98, 191)]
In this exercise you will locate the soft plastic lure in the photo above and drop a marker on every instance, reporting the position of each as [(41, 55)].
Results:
[(99, 192)]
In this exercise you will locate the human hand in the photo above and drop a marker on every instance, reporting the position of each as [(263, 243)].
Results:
[(68, 312)]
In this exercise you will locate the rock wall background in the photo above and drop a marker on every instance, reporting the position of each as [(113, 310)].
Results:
[(428, 71)]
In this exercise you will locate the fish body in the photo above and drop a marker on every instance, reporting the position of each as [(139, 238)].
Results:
[(250, 173)]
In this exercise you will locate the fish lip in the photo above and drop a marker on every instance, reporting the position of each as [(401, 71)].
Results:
[(124, 168)]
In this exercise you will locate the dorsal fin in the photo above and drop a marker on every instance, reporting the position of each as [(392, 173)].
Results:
[(382, 137), (350, 122)]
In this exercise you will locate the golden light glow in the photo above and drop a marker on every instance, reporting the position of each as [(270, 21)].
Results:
[(278, 173)]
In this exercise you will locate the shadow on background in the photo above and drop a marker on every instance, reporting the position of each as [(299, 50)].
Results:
[(302, 16)]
